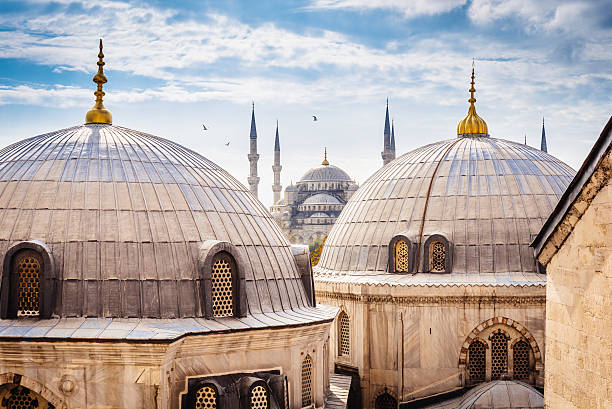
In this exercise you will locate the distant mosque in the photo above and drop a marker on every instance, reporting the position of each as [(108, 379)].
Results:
[(309, 209)]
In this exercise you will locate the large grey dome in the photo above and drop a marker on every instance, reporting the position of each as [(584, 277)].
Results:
[(124, 215), (489, 198), (325, 173)]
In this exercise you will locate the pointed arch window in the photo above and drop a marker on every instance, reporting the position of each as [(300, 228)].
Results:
[(26, 270), (259, 397), (437, 257), (344, 334), (520, 360), (307, 382), (223, 285), (206, 397), (499, 354), (400, 254), (437, 254), (386, 401), (477, 361)]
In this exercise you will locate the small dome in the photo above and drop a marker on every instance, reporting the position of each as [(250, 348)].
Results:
[(502, 394), (321, 198), (325, 173)]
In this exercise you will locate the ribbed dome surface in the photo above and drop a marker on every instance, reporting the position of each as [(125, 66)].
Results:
[(489, 198), (325, 173), (124, 214)]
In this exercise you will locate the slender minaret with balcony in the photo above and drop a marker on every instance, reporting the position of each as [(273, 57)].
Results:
[(543, 146), (253, 156), (276, 168), (388, 154)]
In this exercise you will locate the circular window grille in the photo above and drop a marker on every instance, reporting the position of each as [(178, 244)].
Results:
[(520, 360), (259, 397), (206, 398), (386, 401), (307, 382), (499, 355), (222, 292), (437, 257), (345, 344), (21, 398), (28, 278), (402, 257), (476, 361)]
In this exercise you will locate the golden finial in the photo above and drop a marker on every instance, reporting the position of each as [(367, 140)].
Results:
[(325, 162), (472, 124), (98, 114)]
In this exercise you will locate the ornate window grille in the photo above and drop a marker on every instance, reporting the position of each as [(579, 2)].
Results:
[(222, 286), (402, 257), (499, 355), (344, 335), (437, 257), (520, 360), (386, 401), (206, 398), (307, 382), (27, 271), (259, 397), (477, 361), (22, 398)]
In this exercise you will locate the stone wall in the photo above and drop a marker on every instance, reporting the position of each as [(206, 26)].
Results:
[(579, 312)]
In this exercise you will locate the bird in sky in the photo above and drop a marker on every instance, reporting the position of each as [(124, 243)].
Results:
[(314, 118), (205, 128), (227, 144)]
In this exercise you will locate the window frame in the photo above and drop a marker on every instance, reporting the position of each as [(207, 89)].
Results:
[(342, 314), (391, 263), (304, 361), (448, 254), (47, 281)]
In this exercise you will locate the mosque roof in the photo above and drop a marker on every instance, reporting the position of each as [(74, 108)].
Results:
[(496, 395), (321, 198), (325, 173)]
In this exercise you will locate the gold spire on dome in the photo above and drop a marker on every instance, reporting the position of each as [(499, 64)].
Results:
[(472, 124), (98, 114), (325, 162)]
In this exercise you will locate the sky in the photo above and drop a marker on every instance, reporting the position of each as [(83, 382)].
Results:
[(174, 66)]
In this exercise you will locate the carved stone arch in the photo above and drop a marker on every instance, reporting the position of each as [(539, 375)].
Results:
[(473, 335), (208, 251), (391, 263), (34, 386), (384, 391), (48, 279), (448, 253)]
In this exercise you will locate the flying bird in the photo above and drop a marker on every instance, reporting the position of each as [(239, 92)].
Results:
[(314, 118), (227, 144), (205, 128)]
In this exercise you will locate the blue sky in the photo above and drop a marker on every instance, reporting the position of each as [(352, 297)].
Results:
[(173, 66)]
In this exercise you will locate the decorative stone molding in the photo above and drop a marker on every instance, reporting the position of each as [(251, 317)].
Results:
[(46, 393), (406, 300), (526, 335)]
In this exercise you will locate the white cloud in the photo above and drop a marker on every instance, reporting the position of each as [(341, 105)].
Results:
[(409, 8)]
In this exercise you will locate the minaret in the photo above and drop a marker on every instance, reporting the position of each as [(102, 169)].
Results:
[(543, 146), (276, 168), (387, 154), (253, 156), (393, 138)]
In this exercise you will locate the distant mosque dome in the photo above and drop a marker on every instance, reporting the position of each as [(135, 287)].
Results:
[(321, 198), (325, 173)]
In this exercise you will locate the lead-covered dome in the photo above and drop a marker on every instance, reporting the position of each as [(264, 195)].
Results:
[(325, 173), (484, 198), (124, 215)]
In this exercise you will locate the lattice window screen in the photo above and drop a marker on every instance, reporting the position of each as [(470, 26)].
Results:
[(402, 256), (386, 401), (477, 361), (21, 398), (499, 355), (206, 398), (344, 344), (28, 279), (259, 397), (520, 360), (437, 257), (222, 287), (307, 382)]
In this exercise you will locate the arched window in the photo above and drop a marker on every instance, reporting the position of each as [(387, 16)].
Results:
[(20, 397), (260, 398), (307, 382), (223, 286), (520, 360), (26, 271), (206, 397), (386, 401), (437, 257), (477, 361), (402, 256), (499, 354), (344, 334)]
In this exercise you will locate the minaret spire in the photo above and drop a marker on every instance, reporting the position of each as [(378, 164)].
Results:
[(253, 156), (393, 137), (98, 114), (388, 154), (543, 146), (276, 168)]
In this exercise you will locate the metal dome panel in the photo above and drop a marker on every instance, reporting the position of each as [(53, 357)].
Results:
[(124, 214), (489, 198)]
